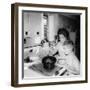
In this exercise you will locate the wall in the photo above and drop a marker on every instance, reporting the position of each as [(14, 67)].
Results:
[(53, 25), (5, 45), (51, 28)]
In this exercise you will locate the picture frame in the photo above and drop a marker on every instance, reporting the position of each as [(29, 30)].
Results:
[(28, 19)]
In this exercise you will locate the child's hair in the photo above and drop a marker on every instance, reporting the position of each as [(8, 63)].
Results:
[(64, 32), (69, 43), (44, 41)]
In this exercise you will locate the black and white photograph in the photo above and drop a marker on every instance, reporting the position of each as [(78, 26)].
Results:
[(51, 44)]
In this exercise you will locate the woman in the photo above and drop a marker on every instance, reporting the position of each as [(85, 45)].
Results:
[(63, 35)]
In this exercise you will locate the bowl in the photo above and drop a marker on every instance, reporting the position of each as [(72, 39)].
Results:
[(49, 63)]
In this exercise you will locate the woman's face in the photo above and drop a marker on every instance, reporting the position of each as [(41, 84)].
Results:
[(62, 38)]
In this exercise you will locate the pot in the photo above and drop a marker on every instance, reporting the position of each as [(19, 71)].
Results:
[(49, 63)]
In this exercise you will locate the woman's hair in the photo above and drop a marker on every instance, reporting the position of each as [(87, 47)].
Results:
[(64, 32)]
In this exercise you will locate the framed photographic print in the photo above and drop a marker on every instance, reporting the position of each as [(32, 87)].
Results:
[(48, 44)]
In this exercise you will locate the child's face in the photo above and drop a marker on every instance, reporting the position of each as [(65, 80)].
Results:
[(67, 49), (62, 38)]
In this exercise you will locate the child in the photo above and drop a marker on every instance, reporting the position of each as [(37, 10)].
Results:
[(72, 63), (44, 50)]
